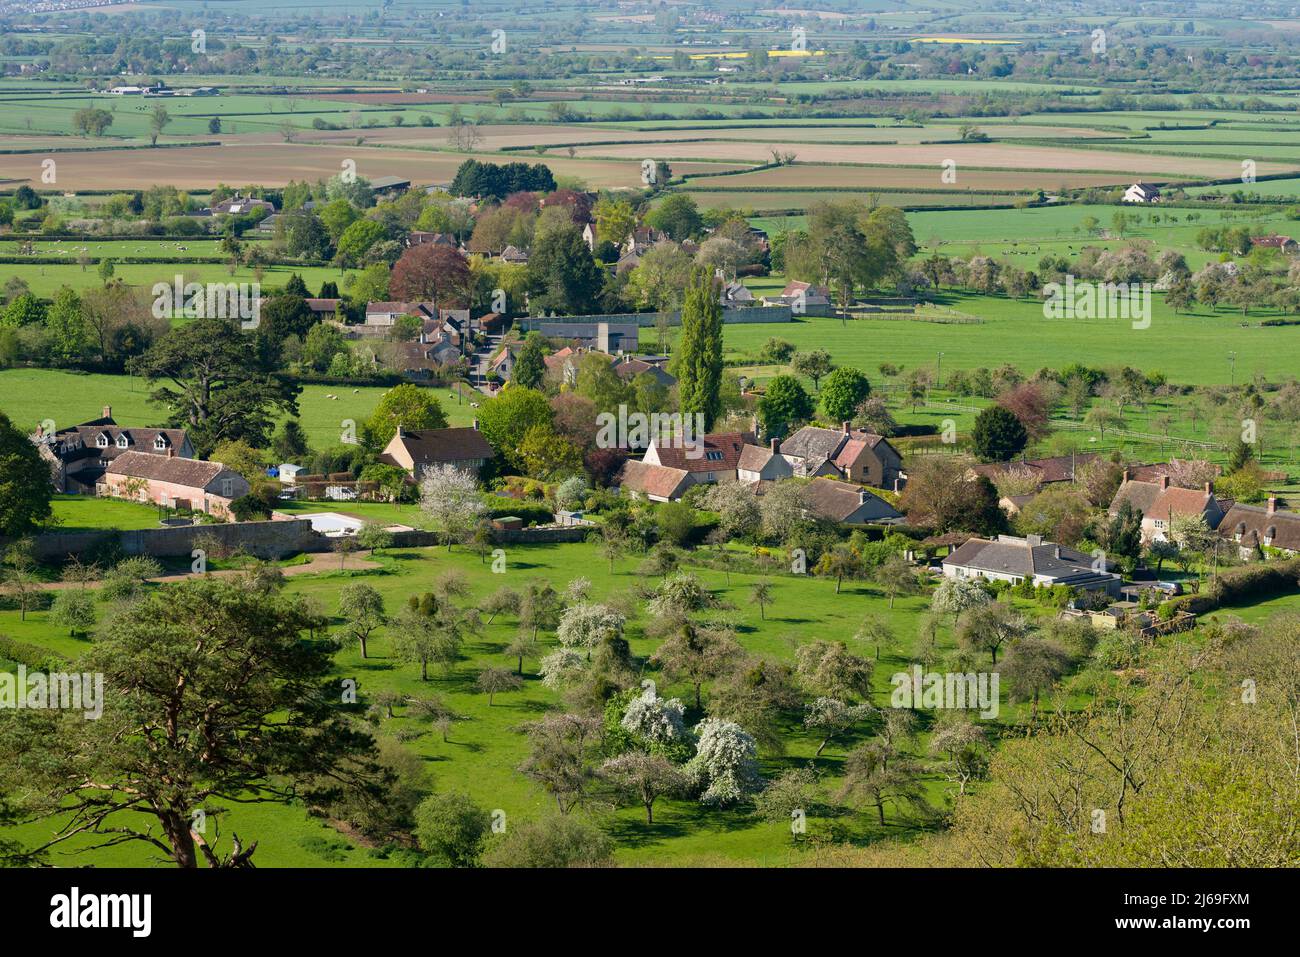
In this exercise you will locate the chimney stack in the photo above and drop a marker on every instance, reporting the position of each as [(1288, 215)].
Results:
[(1164, 481), (1127, 475), (108, 412), (1209, 488), (776, 446), (848, 427), (1272, 503), (1058, 551), (476, 425)]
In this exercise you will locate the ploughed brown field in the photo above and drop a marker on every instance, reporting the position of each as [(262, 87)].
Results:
[(275, 164), (801, 175), (995, 155)]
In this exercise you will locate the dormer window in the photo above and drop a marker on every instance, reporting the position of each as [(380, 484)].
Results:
[(122, 441), (160, 443), (102, 441), (713, 456)]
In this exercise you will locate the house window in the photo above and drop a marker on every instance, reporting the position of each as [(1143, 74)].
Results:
[(102, 441), (159, 443), (227, 488), (121, 441), (713, 456)]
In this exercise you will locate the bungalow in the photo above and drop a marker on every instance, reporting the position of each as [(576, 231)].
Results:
[(1142, 193), (848, 504), (513, 254), (79, 454), (416, 450), (657, 483), (1160, 503), (1015, 560), (207, 487), (852, 454), (1253, 527)]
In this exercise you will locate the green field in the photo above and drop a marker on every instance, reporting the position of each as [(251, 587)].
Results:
[(29, 396)]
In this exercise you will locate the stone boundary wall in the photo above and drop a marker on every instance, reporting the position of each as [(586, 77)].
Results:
[(264, 539)]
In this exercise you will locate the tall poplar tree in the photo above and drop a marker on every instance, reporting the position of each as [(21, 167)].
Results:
[(699, 351)]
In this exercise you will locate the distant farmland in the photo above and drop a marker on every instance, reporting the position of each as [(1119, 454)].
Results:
[(275, 164)]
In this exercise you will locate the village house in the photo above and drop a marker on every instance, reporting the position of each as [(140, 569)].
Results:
[(419, 237), (758, 463), (855, 455), (713, 458), (666, 472), (416, 450), (323, 308), (79, 454), (847, 504), (657, 483), (1159, 503), (734, 295), (1257, 528), (1142, 193), (207, 487), (382, 316), (1011, 559), (803, 298)]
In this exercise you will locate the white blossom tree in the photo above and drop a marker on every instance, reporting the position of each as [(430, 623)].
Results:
[(450, 499), (654, 719), (725, 766), (955, 595), (588, 625)]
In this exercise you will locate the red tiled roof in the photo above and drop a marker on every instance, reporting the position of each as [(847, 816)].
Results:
[(1179, 501), (729, 444), (192, 473), (651, 479)]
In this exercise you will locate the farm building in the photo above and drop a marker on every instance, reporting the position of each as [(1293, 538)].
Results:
[(207, 487)]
